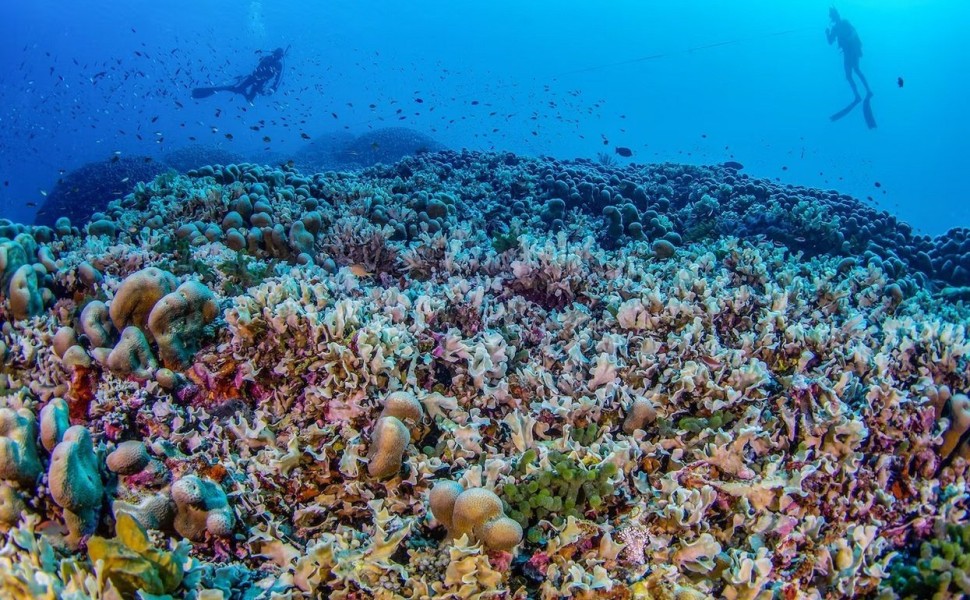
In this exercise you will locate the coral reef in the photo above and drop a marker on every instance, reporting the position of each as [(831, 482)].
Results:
[(82, 193), (638, 381)]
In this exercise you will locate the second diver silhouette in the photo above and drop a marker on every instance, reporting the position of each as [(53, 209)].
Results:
[(848, 39), (265, 79)]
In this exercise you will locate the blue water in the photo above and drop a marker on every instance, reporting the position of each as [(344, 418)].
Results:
[(687, 81)]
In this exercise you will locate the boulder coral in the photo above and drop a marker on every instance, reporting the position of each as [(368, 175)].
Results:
[(96, 324), (202, 507), (177, 321), (54, 423), (128, 458), (75, 482), (475, 512), (137, 296), (132, 355), (24, 293), (388, 444), (19, 461), (400, 418)]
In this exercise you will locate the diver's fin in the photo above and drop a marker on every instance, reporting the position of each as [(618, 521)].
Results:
[(845, 110), (867, 112)]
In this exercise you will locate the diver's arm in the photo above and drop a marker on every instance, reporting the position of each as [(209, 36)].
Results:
[(830, 34)]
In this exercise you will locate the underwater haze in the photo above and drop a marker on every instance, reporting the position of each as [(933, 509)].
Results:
[(692, 82), (486, 301)]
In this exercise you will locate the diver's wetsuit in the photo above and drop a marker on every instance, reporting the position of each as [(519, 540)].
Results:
[(851, 46), (264, 80)]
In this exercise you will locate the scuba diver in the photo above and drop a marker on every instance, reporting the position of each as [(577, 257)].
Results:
[(845, 34), (264, 80)]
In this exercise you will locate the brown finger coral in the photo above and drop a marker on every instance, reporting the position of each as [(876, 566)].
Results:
[(476, 512)]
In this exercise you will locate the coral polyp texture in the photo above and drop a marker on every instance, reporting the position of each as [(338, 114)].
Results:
[(472, 375)]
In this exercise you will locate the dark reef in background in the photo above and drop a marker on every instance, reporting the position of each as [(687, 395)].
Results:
[(341, 150), (667, 205), (198, 155), (672, 204), (322, 152), (88, 189)]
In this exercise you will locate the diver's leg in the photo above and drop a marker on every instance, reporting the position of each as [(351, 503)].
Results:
[(850, 65), (862, 78)]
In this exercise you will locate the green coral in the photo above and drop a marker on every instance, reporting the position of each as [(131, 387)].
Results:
[(699, 424), (132, 564), (569, 489), (244, 272), (506, 241), (941, 568)]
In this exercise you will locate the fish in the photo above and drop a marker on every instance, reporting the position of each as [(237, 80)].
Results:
[(623, 151), (304, 135), (732, 164), (359, 270), (899, 81), (266, 139)]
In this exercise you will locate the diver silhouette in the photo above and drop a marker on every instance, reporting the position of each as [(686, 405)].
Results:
[(845, 34), (264, 80)]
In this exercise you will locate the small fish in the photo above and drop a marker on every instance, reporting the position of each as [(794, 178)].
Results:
[(115, 158), (229, 136), (624, 151), (304, 136), (155, 118), (125, 180), (878, 184), (899, 81), (6, 183), (359, 270), (266, 139)]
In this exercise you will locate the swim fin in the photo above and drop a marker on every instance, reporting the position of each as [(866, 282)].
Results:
[(867, 112), (845, 111)]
